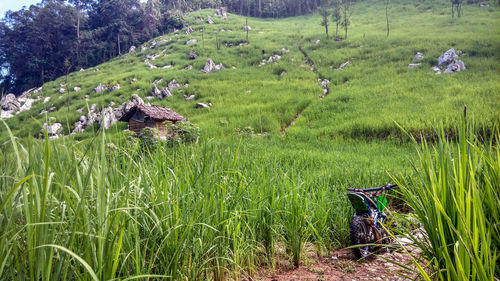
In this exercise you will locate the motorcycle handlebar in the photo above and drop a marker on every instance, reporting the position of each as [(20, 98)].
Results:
[(386, 187)]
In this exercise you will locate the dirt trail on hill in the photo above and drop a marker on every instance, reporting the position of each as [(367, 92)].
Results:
[(340, 265), (326, 88)]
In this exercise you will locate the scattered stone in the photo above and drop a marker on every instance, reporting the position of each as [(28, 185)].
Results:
[(455, 67), (81, 69), (189, 30), (283, 73), (132, 49), (418, 56), (192, 55), (189, 67), (189, 97), (436, 70), (338, 39), (209, 21), (133, 80), (61, 91), (447, 58), (79, 110), (108, 117), (343, 65), (167, 66), (27, 105), (186, 85), (39, 90), (6, 114), (202, 105), (414, 65), (164, 92), (114, 88), (317, 42), (143, 48), (96, 69), (53, 130), (152, 57), (324, 86), (52, 109), (274, 58), (172, 85), (155, 44), (10, 103), (99, 88), (46, 99), (210, 66), (76, 89), (191, 42), (221, 13), (247, 28), (150, 65)]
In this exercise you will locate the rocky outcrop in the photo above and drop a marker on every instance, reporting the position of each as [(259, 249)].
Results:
[(126, 106), (54, 130), (210, 66), (99, 88), (172, 85), (221, 13), (447, 58), (10, 103), (455, 67), (160, 94)]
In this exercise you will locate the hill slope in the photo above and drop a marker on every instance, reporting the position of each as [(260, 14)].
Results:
[(365, 98)]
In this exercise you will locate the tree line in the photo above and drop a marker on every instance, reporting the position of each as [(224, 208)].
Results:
[(45, 41)]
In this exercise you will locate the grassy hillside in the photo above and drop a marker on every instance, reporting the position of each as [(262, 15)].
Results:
[(98, 206), (375, 90)]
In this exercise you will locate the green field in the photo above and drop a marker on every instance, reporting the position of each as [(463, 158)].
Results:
[(97, 206)]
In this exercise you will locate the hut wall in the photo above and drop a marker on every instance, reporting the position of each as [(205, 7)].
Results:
[(136, 126), (161, 127)]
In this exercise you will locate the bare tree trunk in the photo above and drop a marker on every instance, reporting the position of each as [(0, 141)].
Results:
[(247, 28), (326, 29), (452, 10), (119, 49), (260, 8), (387, 16)]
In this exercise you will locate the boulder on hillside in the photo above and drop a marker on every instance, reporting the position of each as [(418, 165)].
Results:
[(189, 97), (76, 89), (27, 105), (54, 130), (202, 105), (418, 56), (192, 55), (191, 42), (414, 65), (126, 106), (114, 88), (189, 30), (10, 103), (455, 67), (99, 88), (210, 66), (108, 117), (209, 21), (247, 28), (221, 13), (447, 58), (172, 85), (132, 49)]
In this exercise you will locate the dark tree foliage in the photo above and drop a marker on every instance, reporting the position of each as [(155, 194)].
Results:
[(36, 41)]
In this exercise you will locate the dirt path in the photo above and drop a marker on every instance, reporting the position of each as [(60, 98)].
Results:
[(340, 265), (324, 85)]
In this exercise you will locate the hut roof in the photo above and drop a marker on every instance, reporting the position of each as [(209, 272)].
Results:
[(155, 112)]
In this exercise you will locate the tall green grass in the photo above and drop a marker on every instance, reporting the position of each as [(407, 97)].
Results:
[(106, 210), (457, 199)]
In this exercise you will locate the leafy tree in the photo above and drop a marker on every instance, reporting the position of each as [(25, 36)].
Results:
[(324, 12), (336, 16), (346, 10)]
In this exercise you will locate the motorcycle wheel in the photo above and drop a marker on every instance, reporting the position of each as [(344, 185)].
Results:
[(360, 234)]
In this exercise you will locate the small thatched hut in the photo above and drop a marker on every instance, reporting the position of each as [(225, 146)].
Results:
[(150, 116)]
